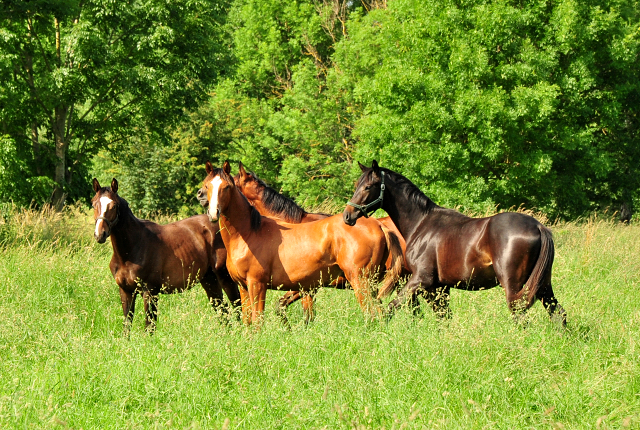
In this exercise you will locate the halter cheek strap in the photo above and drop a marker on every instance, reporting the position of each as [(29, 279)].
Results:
[(111, 224), (366, 209)]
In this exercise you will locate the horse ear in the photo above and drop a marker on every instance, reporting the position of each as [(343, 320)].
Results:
[(114, 185), (362, 166), (226, 168), (241, 169), (374, 165), (96, 185), (208, 167)]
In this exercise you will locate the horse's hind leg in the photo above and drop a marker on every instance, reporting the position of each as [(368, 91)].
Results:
[(308, 301), (285, 301), (213, 289), (549, 301), (151, 310), (128, 301)]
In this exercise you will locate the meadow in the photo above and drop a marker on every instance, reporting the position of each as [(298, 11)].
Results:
[(64, 362)]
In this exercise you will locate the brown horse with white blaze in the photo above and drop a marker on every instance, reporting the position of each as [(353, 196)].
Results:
[(264, 253), (149, 258), (272, 204)]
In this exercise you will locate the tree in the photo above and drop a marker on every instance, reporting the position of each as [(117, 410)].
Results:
[(501, 102), (83, 75)]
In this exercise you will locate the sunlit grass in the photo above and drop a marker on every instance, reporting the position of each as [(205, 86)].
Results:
[(65, 364)]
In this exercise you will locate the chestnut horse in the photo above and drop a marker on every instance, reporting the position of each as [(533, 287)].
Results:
[(272, 204), (264, 253), (152, 259), (448, 249)]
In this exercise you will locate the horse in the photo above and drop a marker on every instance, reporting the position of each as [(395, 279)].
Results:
[(447, 249), (272, 204), (152, 258), (263, 253)]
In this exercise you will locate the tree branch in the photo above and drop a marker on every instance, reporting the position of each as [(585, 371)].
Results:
[(44, 53)]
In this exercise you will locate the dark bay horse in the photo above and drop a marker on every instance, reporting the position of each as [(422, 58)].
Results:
[(272, 204), (149, 258), (448, 249), (264, 253)]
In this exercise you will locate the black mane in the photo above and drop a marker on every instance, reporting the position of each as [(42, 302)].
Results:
[(280, 205), (413, 193)]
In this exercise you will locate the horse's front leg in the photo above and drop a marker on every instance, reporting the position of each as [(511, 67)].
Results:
[(439, 297), (246, 305), (416, 284), (151, 310), (128, 301), (361, 283), (257, 297)]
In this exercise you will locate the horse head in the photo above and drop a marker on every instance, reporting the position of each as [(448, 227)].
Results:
[(249, 184), (368, 196), (105, 209), (217, 187)]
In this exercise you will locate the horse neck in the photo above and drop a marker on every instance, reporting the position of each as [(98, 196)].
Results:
[(404, 213), (236, 219), (126, 233), (260, 207)]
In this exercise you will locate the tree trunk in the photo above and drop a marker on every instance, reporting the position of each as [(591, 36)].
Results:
[(59, 124), (59, 196), (35, 146)]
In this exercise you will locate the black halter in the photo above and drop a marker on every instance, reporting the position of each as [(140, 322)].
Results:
[(365, 209), (113, 223)]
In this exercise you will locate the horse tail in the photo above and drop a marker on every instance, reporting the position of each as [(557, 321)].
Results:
[(542, 268), (397, 261)]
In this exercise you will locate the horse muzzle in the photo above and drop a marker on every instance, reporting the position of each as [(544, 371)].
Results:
[(201, 195), (211, 218), (349, 217), (102, 237)]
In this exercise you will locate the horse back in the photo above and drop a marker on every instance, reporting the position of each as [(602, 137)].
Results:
[(476, 252), (293, 255), (173, 255)]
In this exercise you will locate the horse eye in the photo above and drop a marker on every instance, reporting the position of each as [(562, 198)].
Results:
[(367, 187)]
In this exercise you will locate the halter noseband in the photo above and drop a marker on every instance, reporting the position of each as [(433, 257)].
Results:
[(113, 223), (365, 209)]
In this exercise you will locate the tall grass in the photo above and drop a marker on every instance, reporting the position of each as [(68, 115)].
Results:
[(65, 364)]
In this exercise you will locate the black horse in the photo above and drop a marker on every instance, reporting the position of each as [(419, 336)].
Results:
[(448, 249)]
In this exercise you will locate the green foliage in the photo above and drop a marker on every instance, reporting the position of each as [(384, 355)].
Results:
[(501, 102), (16, 185), (78, 76), (479, 103)]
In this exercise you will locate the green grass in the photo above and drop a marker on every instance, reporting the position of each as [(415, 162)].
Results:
[(65, 364)]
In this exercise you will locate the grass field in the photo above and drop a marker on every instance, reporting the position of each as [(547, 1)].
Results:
[(65, 364)]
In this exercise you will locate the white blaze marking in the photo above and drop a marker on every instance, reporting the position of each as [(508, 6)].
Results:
[(213, 202), (104, 202)]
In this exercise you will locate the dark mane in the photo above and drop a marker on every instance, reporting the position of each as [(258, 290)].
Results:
[(280, 205), (123, 207), (413, 193), (256, 218)]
